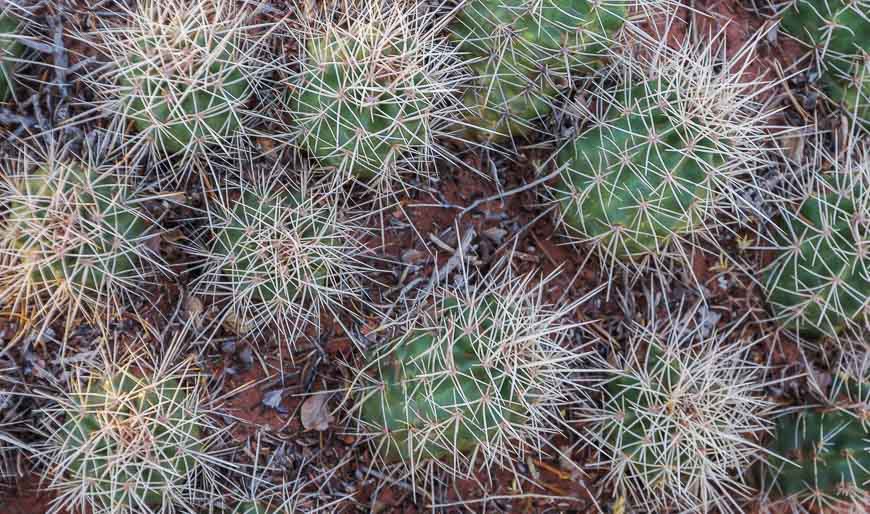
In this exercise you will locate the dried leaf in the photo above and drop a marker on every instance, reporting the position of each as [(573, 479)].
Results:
[(315, 414)]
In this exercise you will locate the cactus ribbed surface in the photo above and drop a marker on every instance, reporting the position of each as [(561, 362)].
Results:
[(524, 52), (182, 73), (819, 283), (182, 111), (478, 378), (73, 234), (129, 441), (827, 449), (838, 32), (354, 120), (675, 420), (638, 178), (275, 254), (438, 395), (10, 49)]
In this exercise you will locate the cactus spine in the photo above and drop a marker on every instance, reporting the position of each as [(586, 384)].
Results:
[(661, 157), (183, 74)]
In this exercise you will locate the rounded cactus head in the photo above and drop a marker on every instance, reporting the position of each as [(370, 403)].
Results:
[(74, 236), (130, 434), (477, 378), (679, 408), (524, 55), (822, 454), (663, 155), (819, 283), (183, 72), (372, 92), (276, 254)]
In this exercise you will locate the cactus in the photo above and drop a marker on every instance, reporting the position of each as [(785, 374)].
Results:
[(72, 236), (852, 91), (819, 283), (131, 438), (662, 158), (678, 412), (825, 451), (277, 254), (838, 32), (478, 377), (183, 74), (372, 93), (523, 53), (10, 50)]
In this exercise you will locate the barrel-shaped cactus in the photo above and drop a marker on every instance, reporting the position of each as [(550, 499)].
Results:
[(824, 452), (838, 34), (276, 254), (73, 237), (524, 55), (637, 180), (478, 378), (130, 437), (182, 73), (819, 283), (372, 92), (661, 155), (678, 410), (10, 50)]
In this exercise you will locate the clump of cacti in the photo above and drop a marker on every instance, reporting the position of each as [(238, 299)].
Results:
[(678, 411), (182, 73), (660, 156), (477, 378), (524, 55), (10, 50), (73, 237), (838, 34), (131, 436), (276, 254), (819, 283), (822, 454), (372, 92)]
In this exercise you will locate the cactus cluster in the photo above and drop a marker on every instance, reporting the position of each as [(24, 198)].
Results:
[(479, 378), (819, 283), (524, 55), (182, 73), (73, 236), (372, 93), (838, 33), (11, 50), (130, 437), (825, 451), (677, 417), (276, 254)]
